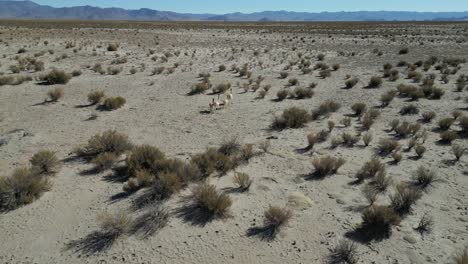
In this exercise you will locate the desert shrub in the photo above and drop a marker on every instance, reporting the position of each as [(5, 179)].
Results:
[(55, 94), (336, 66), (108, 141), (377, 221), (112, 47), (325, 108), (448, 136), (425, 224), (95, 97), (403, 51), (397, 157), (458, 151), (20, 188), (21, 50), (445, 123), (351, 83), (369, 119), (367, 138), (404, 198), (114, 225), (359, 108), (375, 82), (302, 93), (243, 181), (293, 81), (104, 161), (45, 162), (370, 169), (428, 116), (394, 124), (321, 57), (327, 165), (221, 88), (346, 121), (404, 129), (200, 88), (293, 117), (6, 80), (387, 146), (330, 125), (424, 177), (387, 97), (76, 73), (463, 122), (312, 139), (208, 199), (344, 252), (145, 157), (113, 103), (324, 74), (230, 147), (409, 110), (221, 68), (282, 94), (276, 218), (246, 153), (113, 70), (284, 75), (55, 77), (420, 150), (380, 181), (349, 140)]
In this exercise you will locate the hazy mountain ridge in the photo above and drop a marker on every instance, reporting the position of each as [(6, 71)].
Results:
[(29, 9)]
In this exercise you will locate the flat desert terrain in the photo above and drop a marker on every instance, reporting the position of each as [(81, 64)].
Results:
[(184, 142)]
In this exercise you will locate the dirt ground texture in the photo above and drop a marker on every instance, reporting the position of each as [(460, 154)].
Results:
[(159, 112)]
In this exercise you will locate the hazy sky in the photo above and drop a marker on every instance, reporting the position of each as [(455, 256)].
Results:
[(227, 6)]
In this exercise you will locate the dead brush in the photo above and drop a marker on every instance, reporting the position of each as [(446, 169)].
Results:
[(114, 225), (387, 146), (55, 94), (104, 161), (243, 181), (95, 97), (210, 201), (327, 165), (370, 169), (276, 218), (458, 151), (344, 252), (425, 177), (404, 197), (349, 140), (377, 222), (426, 224)]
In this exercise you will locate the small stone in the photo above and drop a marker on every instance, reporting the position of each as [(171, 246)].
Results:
[(410, 239)]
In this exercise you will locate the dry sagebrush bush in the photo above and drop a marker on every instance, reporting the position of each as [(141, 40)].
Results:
[(377, 221), (243, 181), (55, 94), (207, 198), (109, 141), (276, 218), (114, 103), (409, 110), (282, 94), (370, 169), (397, 157), (293, 117), (380, 182), (375, 82), (95, 97), (104, 161), (359, 108), (404, 197), (351, 83), (55, 77), (22, 187), (458, 151), (426, 224), (344, 253), (327, 165), (112, 47), (302, 93), (447, 137), (45, 162), (114, 225), (387, 146), (424, 177), (367, 138), (463, 123), (144, 157), (387, 97), (420, 150), (428, 116), (445, 123), (349, 140), (325, 108)]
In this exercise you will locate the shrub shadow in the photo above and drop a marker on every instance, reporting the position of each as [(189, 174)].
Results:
[(93, 243), (267, 232)]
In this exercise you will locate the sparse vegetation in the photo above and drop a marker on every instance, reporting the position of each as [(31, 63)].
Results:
[(327, 165), (293, 117), (113, 103)]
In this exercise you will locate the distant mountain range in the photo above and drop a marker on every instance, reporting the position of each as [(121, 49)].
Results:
[(31, 10)]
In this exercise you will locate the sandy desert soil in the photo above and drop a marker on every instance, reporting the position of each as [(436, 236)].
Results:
[(159, 112)]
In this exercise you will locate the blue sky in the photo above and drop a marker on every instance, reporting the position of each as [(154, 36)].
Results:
[(227, 6)]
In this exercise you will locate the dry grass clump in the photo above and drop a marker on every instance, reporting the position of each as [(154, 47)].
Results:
[(370, 169), (380, 182), (45, 162), (293, 117), (387, 97), (403, 51), (428, 116), (284, 75), (387, 146), (375, 82), (210, 201), (325, 108), (104, 161), (144, 158), (113, 103), (327, 165), (95, 97), (113, 70), (426, 224), (344, 253), (243, 181), (302, 93), (463, 123), (351, 83), (114, 225), (359, 108), (367, 138), (461, 258), (55, 94), (377, 222), (293, 81), (55, 77), (448, 136), (282, 94), (397, 157), (445, 123), (404, 197), (420, 150), (409, 110), (349, 140), (276, 218), (458, 151), (112, 47), (424, 177), (109, 141), (22, 187)]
